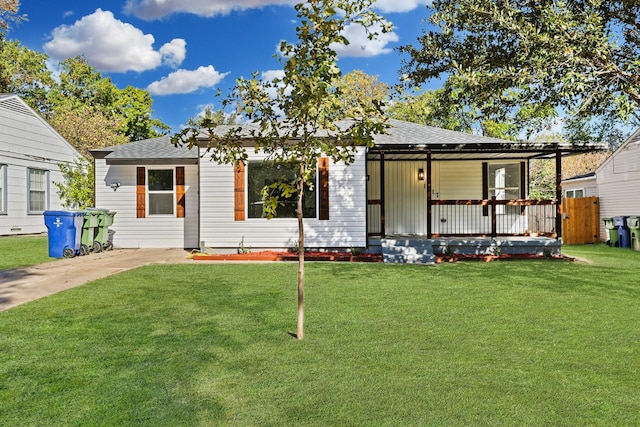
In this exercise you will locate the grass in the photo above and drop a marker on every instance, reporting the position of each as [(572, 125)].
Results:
[(21, 251), (502, 343)]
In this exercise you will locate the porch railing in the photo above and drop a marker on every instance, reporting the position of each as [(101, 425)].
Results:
[(480, 218), (492, 217)]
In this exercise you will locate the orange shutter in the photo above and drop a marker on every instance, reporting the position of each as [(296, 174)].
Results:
[(238, 183), (323, 186), (140, 193), (180, 199)]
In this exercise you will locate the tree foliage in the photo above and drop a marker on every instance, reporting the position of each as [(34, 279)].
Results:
[(9, 15), (579, 57), (24, 72), (76, 192), (82, 87), (356, 85), (211, 118), (288, 113)]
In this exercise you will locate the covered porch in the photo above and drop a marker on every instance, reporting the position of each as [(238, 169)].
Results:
[(464, 191)]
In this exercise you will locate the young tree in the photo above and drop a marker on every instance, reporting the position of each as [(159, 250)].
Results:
[(76, 191), (295, 116), (578, 57)]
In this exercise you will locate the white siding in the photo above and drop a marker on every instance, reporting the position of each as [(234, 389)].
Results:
[(588, 185), (619, 184), (153, 231), (406, 199), (347, 212), (27, 141)]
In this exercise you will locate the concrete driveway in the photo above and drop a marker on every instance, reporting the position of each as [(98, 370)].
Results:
[(21, 285)]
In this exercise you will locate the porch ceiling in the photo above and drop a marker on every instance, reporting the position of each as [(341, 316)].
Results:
[(479, 151)]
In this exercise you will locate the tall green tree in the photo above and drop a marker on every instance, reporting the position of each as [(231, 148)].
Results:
[(290, 112), (356, 85), (579, 57), (81, 86), (24, 72)]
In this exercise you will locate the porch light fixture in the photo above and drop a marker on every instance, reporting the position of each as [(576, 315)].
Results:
[(420, 174), (114, 185)]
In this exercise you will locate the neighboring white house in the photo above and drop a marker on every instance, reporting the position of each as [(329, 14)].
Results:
[(416, 181), (30, 152), (618, 182), (580, 186)]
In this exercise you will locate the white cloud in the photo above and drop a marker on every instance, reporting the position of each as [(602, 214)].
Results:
[(361, 46), (388, 6), (271, 75), (157, 9), (174, 52), (186, 81), (112, 45)]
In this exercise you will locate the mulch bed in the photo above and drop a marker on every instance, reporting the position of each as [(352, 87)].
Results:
[(348, 257), (289, 256)]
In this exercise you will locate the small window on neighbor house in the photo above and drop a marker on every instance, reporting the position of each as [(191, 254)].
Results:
[(38, 189), (570, 194), (3, 189), (261, 174), (161, 191)]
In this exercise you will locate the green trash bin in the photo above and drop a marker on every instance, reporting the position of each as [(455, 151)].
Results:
[(633, 222), (88, 231), (99, 231), (101, 241), (612, 232)]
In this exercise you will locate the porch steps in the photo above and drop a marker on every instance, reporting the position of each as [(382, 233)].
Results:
[(407, 251)]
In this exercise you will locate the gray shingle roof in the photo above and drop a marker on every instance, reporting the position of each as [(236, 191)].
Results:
[(155, 149)]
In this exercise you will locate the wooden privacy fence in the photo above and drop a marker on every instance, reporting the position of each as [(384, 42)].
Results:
[(580, 220)]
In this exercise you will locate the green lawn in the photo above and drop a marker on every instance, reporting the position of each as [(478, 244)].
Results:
[(20, 251), (503, 343)]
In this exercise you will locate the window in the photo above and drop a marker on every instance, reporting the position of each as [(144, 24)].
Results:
[(37, 187), (577, 193), (504, 183), (261, 174), (3, 189), (161, 197)]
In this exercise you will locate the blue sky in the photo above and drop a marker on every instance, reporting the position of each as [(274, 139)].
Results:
[(183, 51)]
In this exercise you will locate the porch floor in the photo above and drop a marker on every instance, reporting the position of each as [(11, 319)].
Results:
[(403, 248)]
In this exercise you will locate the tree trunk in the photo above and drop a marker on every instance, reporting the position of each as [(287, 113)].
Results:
[(300, 214)]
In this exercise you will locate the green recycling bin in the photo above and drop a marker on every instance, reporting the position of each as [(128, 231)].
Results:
[(101, 237), (633, 222), (612, 232), (88, 231)]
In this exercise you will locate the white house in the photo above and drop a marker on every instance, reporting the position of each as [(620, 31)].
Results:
[(30, 152), (416, 181), (578, 186), (618, 181)]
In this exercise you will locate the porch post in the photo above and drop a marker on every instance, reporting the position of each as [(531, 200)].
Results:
[(382, 198), (429, 230), (558, 194)]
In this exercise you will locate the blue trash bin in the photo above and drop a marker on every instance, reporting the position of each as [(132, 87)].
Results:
[(624, 235), (65, 233)]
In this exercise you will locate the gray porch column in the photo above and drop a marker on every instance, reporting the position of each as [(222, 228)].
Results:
[(559, 193), (382, 198), (429, 230)]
